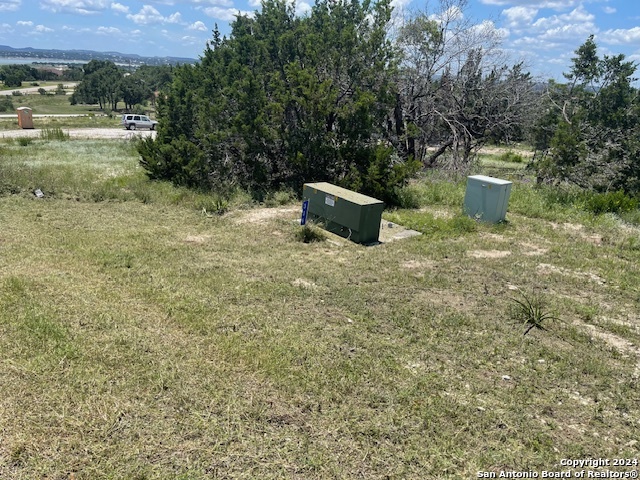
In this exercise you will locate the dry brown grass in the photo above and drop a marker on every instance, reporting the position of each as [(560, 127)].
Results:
[(150, 341)]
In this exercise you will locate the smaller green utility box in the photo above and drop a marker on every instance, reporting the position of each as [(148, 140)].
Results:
[(346, 213)]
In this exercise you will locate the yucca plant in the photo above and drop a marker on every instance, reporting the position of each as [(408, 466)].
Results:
[(532, 311)]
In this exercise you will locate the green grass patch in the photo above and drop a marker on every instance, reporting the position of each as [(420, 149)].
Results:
[(53, 104)]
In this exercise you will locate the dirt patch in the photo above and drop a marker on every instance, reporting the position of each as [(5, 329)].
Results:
[(418, 264), (261, 215), (489, 253), (622, 345), (446, 298), (493, 237), (532, 250), (611, 339), (437, 212), (102, 133), (578, 230), (545, 268), (302, 283), (197, 239)]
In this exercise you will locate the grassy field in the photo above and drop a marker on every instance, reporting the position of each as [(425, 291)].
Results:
[(91, 115), (144, 336)]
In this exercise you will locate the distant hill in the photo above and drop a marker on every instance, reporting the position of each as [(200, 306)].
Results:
[(42, 55)]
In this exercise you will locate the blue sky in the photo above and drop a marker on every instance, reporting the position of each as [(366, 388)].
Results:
[(544, 33)]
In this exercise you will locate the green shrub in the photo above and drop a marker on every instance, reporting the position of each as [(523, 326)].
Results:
[(409, 197), (632, 217), (511, 157), (6, 105), (24, 141), (279, 198), (610, 202)]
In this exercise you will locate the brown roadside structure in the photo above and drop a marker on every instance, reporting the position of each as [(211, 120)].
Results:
[(25, 118)]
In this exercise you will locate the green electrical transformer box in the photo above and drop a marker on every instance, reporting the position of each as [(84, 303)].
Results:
[(487, 198), (346, 213)]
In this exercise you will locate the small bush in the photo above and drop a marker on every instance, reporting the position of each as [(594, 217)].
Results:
[(6, 105), (24, 141), (212, 204), (610, 202), (632, 217), (409, 197), (511, 157), (16, 93)]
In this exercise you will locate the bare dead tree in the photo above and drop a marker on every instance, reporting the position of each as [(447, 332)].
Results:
[(455, 89)]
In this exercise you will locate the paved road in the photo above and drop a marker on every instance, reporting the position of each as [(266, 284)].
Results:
[(41, 115), (32, 90)]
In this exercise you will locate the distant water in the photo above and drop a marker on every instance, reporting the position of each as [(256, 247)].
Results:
[(30, 60)]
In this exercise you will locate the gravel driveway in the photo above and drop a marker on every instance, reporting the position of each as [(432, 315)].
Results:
[(113, 133)]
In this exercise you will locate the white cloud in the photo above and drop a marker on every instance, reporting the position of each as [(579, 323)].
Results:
[(609, 10), (487, 29), (9, 5), (79, 7), (303, 8), (222, 3), (629, 36), (150, 16), (226, 14), (519, 16), (189, 40), (42, 29), (25, 23), (451, 14), (199, 26), (578, 23), (567, 32), (118, 7), (539, 4), (5, 28), (108, 31)]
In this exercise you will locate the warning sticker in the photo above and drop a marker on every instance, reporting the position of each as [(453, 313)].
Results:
[(330, 200)]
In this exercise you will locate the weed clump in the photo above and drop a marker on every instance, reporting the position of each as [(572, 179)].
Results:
[(310, 233), (55, 133), (24, 141)]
